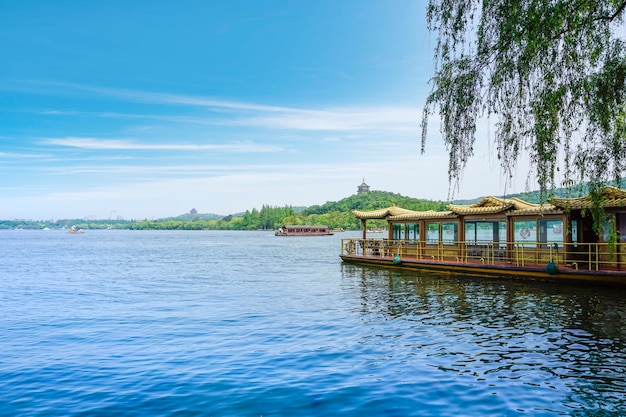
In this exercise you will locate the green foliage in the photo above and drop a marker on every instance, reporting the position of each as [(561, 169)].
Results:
[(612, 237), (197, 216), (65, 224), (550, 74), (338, 214), (374, 200)]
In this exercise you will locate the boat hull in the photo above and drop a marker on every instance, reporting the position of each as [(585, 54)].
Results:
[(303, 231), (617, 278), (302, 234)]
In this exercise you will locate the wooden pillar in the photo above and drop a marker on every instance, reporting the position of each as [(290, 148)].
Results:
[(364, 227)]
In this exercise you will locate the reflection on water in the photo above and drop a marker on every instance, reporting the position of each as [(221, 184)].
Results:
[(565, 341)]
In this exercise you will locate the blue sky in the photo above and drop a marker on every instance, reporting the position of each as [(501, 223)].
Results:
[(147, 109)]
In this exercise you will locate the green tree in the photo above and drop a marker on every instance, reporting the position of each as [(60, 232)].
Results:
[(550, 75)]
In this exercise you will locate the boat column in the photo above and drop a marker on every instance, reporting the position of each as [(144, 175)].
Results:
[(364, 227)]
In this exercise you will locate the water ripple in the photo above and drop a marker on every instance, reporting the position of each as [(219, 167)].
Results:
[(245, 324)]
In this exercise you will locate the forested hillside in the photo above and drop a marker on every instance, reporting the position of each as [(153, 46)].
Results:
[(374, 200), (338, 214)]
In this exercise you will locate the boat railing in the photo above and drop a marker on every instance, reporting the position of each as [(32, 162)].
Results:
[(583, 256)]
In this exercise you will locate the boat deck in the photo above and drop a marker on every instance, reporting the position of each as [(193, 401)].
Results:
[(539, 263)]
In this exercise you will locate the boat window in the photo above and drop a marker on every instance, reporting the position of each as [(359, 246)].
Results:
[(398, 231), (432, 233), (574, 230), (502, 234), (470, 232), (482, 232), (621, 221), (413, 231), (450, 233), (525, 232), (551, 231), (609, 227)]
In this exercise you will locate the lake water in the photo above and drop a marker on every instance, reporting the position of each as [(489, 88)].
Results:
[(211, 323)]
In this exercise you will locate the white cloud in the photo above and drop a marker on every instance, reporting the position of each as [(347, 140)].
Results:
[(115, 144), (383, 119), (389, 119), (234, 113)]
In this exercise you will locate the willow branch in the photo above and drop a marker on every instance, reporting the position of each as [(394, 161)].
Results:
[(612, 17)]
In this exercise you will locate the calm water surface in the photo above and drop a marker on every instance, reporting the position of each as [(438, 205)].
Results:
[(247, 324)]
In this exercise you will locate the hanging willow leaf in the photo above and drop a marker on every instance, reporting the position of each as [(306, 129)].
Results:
[(549, 74)]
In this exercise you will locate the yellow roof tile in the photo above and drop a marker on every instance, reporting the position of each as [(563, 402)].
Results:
[(610, 197)]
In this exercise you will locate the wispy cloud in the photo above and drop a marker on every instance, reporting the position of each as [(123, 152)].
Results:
[(339, 120), (115, 144), (139, 96), (245, 114), (388, 119), (203, 171), (14, 155)]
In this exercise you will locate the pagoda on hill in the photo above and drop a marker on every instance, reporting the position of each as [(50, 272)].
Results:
[(363, 188)]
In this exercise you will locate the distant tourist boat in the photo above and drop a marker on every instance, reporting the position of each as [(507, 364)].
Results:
[(303, 231), (502, 237), (75, 231)]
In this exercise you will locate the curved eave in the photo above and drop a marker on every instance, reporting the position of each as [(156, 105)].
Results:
[(381, 213), (583, 204), (370, 215), (424, 215), (491, 205), (519, 204), (534, 211), (465, 210), (610, 197)]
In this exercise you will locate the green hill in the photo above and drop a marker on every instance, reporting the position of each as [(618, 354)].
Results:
[(374, 200), (195, 216)]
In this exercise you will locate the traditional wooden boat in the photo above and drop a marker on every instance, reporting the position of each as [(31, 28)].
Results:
[(303, 231), (75, 231), (502, 237)]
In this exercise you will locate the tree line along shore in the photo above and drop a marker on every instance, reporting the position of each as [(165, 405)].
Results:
[(334, 214)]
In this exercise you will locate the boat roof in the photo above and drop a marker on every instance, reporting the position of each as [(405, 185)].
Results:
[(611, 197), (492, 205), (397, 213), (382, 213), (305, 225)]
